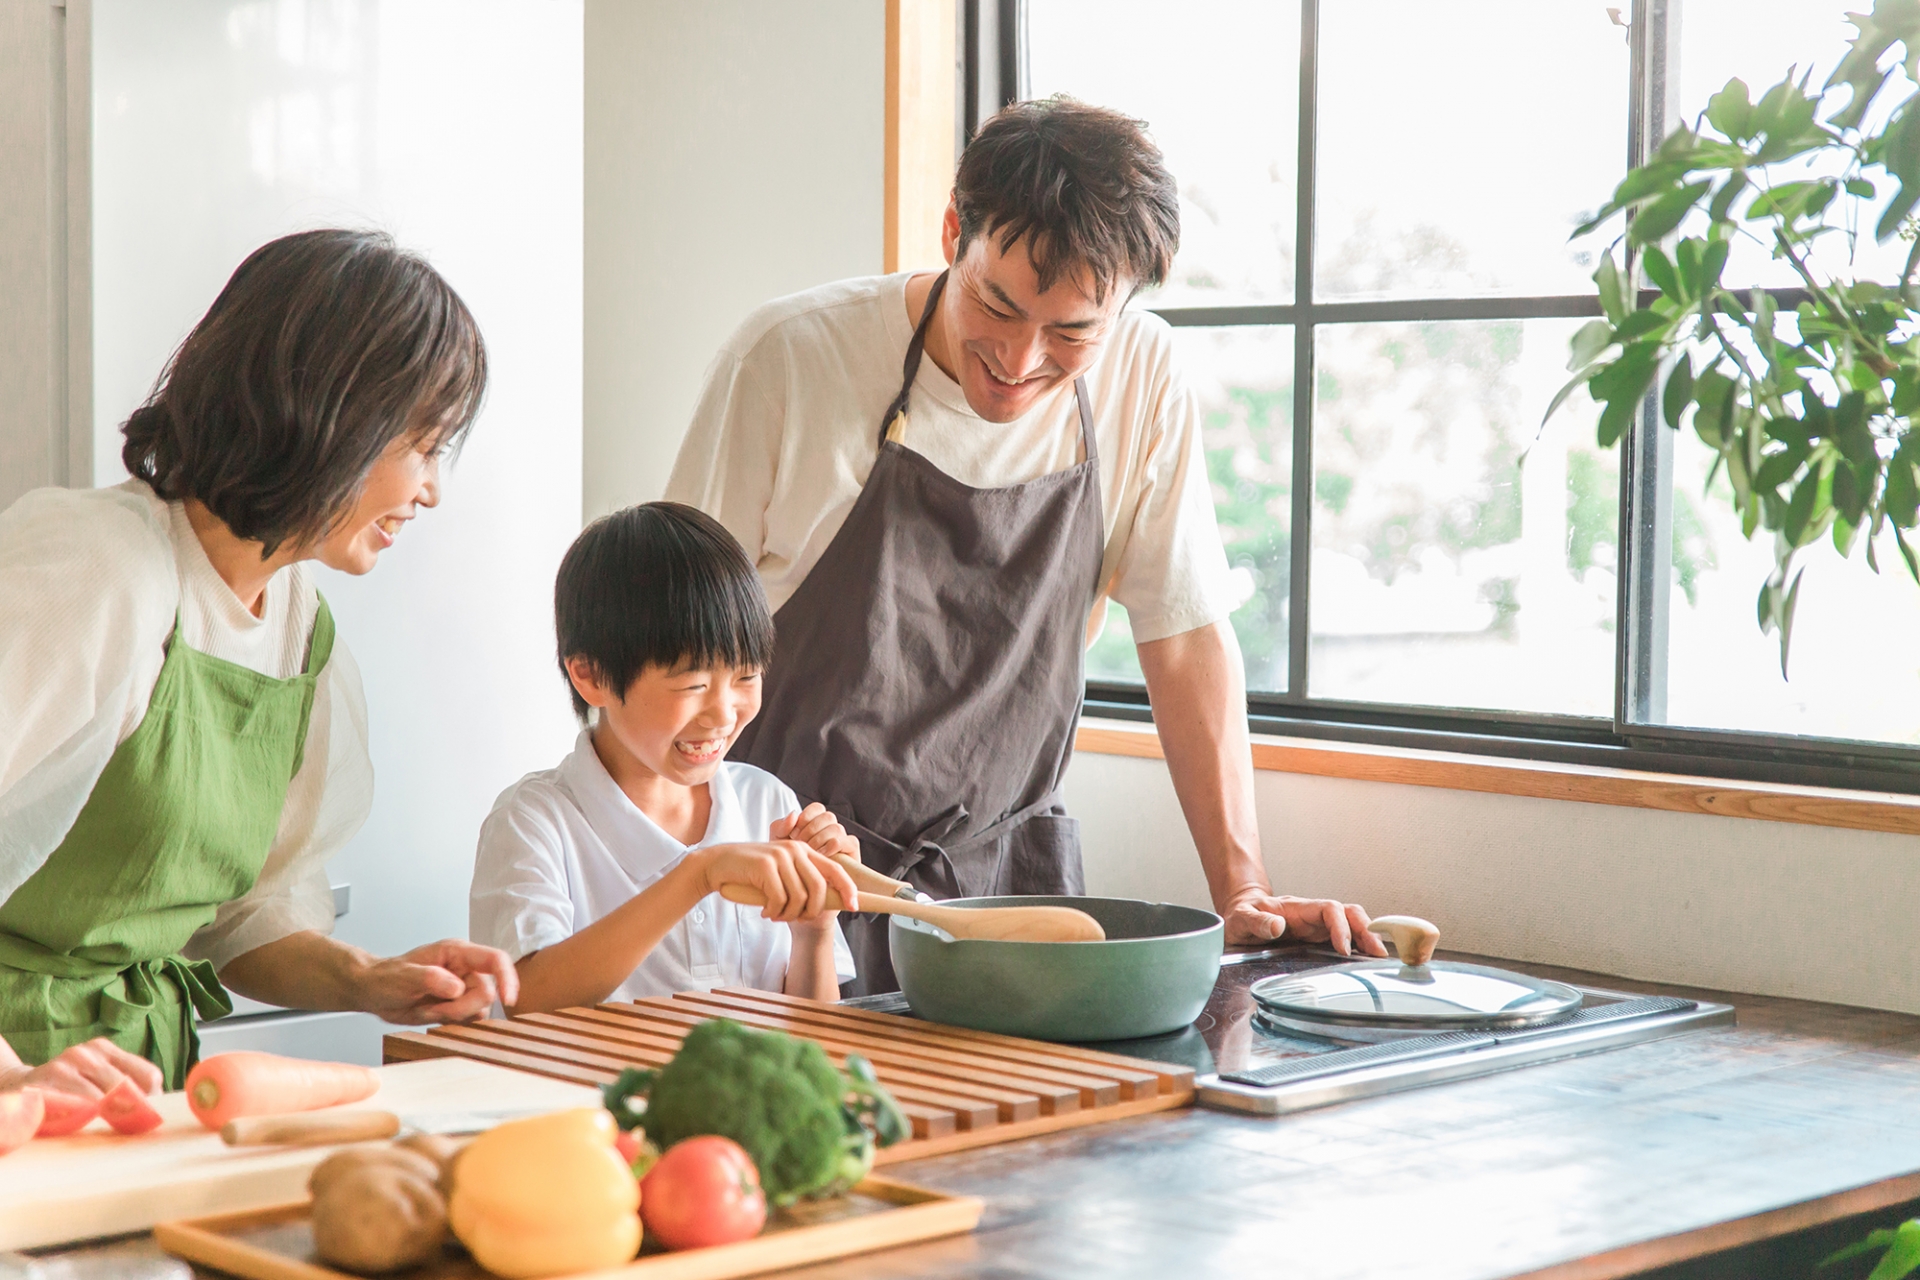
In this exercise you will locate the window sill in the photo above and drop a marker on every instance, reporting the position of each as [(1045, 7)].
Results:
[(1588, 784)]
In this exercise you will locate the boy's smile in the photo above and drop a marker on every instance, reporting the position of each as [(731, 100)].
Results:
[(668, 732)]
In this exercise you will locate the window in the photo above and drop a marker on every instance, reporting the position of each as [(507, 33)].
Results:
[(1373, 300)]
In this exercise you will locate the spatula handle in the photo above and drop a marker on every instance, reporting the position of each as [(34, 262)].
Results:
[(310, 1129), (867, 880)]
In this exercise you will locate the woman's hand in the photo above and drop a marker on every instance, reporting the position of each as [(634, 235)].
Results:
[(447, 981), (792, 877), (87, 1070), (1255, 917), (816, 827)]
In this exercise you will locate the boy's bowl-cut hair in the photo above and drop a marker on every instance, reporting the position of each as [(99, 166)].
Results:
[(658, 585), (323, 349)]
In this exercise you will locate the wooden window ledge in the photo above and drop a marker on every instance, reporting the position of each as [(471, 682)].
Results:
[(1589, 784)]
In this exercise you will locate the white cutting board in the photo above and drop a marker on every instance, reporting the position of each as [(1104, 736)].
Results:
[(98, 1183)]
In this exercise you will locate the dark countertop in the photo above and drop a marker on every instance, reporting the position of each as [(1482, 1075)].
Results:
[(1591, 1167), (1587, 1168)]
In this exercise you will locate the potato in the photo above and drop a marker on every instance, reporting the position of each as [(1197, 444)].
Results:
[(354, 1160), (434, 1146), (377, 1217)]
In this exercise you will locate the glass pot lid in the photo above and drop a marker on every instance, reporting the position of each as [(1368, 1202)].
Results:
[(1440, 995)]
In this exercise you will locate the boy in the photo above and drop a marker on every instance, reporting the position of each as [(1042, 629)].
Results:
[(601, 877)]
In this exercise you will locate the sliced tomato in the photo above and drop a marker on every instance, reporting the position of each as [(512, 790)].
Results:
[(703, 1191), (20, 1112), (128, 1111), (65, 1114)]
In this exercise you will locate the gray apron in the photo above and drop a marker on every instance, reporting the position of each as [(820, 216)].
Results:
[(927, 675)]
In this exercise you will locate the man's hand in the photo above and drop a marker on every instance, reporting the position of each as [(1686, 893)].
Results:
[(816, 826), (1254, 917), (793, 878), (447, 981), (88, 1070)]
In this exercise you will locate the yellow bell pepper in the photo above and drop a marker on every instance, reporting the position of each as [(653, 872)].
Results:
[(546, 1196)]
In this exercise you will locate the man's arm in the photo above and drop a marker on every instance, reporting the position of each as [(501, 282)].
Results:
[(1197, 685)]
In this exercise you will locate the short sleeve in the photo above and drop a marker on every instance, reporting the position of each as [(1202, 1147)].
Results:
[(327, 802), (88, 593), (731, 453), (519, 900), (1172, 576)]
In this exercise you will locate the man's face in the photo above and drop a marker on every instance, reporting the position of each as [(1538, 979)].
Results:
[(1010, 343)]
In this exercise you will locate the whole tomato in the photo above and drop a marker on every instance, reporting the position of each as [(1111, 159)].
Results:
[(703, 1191)]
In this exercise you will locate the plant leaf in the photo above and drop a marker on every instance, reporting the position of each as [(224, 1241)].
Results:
[(1786, 641), (1679, 392), (1729, 192), (1613, 291), (1592, 338), (1903, 1257), (1664, 214), (1730, 110), (1659, 269)]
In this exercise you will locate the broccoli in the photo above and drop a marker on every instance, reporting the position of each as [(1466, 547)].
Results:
[(804, 1123)]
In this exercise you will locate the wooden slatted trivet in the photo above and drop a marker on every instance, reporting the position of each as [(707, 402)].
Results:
[(958, 1088)]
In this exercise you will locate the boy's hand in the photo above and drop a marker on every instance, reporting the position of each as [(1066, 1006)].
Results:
[(793, 878), (816, 826)]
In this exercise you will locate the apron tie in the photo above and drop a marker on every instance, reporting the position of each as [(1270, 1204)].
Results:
[(929, 852)]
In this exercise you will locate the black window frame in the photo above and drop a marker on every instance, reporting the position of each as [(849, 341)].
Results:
[(994, 73)]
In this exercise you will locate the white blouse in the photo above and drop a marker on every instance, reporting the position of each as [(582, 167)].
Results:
[(565, 847), (91, 582)]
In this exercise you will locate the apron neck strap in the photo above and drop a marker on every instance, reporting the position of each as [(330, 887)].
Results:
[(910, 369)]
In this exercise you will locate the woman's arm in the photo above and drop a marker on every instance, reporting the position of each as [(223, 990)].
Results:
[(447, 981)]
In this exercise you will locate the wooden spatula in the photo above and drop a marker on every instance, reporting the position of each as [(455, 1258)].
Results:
[(994, 924)]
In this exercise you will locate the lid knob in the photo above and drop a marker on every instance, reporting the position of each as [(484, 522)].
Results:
[(1413, 938)]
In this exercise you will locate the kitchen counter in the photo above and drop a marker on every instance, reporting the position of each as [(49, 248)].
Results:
[(1588, 1168)]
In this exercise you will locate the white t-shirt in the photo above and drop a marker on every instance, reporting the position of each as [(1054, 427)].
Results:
[(91, 581), (788, 425), (566, 847)]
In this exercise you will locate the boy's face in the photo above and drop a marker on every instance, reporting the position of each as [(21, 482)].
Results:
[(676, 724)]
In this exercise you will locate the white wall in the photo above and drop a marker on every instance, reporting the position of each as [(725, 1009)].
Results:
[(733, 154), (456, 125), (1767, 907)]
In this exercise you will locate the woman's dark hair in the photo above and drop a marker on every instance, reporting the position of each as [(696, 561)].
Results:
[(658, 585), (1083, 185), (322, 350)]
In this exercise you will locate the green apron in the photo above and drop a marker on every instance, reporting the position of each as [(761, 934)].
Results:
[(179, 824)]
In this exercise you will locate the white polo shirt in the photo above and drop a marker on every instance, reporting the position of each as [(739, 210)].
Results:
[(565, 847)]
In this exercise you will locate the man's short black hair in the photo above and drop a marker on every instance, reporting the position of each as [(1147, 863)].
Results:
[(323, 349), (1082, 185), (660, 584)]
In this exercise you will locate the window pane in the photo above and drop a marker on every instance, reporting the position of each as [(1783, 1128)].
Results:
[(1218, 85), (1460, 144), (1854, 670), (1444, 572), (1760, 41), (1243, 380)]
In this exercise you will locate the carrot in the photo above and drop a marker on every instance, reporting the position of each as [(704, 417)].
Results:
[(229, 1085)]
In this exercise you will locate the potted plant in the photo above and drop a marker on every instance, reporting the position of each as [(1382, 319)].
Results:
[(1809, 406)]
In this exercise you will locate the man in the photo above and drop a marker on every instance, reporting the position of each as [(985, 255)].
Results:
[(941, 479)]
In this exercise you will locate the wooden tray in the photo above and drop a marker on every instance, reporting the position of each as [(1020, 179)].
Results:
[(958, 1088), (277, 1243)]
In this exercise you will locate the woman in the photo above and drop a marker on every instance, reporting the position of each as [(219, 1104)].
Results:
[(185, 741)]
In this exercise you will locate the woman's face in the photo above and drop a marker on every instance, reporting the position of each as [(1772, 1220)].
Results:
[(406, 478)]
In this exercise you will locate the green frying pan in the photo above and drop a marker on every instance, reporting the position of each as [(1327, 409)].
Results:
[(1152, 975)]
